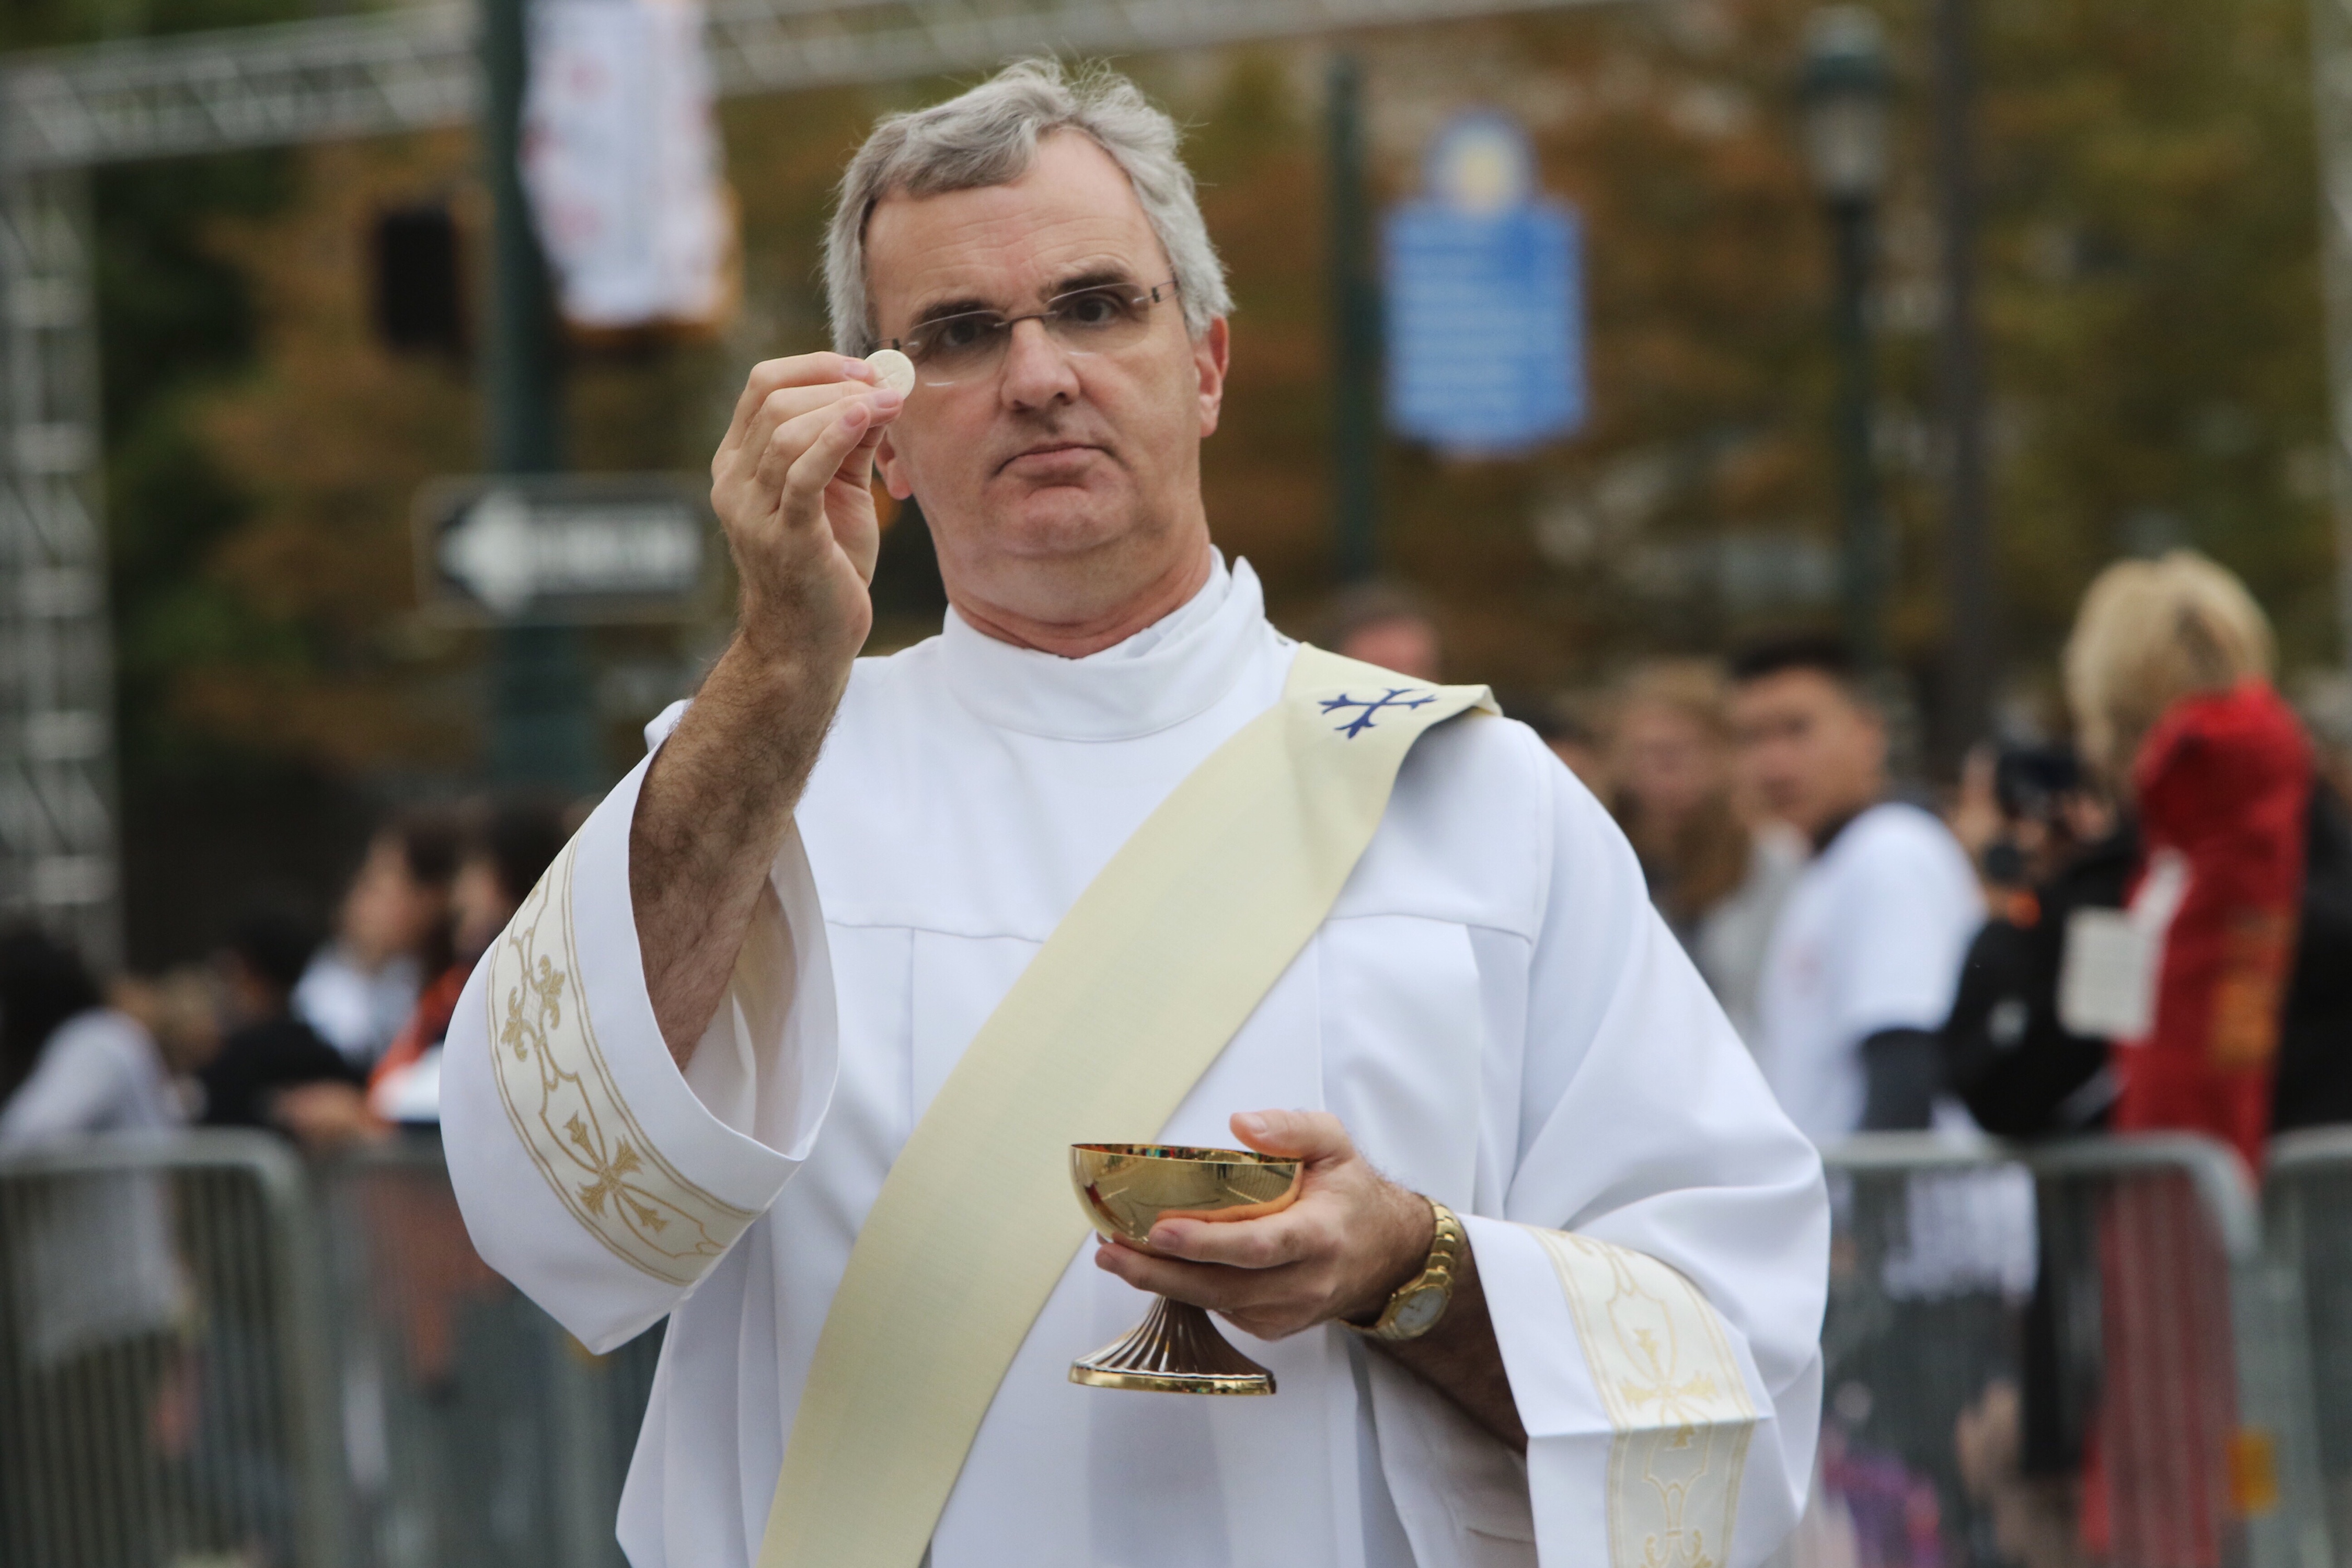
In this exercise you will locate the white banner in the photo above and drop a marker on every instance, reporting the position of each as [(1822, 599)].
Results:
[(621, 159)]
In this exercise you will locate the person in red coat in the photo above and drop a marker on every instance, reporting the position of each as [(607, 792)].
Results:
[(2223, 786), (2169, 673)]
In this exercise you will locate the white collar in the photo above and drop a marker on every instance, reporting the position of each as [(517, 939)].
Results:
[(1168, 672)]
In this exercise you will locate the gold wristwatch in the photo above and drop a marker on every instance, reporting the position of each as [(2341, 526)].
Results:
[(1421, 1300)]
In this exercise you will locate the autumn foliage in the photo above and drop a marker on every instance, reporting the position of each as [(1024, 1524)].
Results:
[(2149, 297)]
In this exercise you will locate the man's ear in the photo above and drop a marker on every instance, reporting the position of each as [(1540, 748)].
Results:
[(1211, 353), (893, 470)]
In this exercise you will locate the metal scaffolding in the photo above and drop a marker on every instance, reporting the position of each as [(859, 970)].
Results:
[(211, 93), (413, 69), (57, 771), (410, 68)]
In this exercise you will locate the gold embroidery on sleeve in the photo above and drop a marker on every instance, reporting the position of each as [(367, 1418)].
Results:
[(561, 1095), (1673, 1394)]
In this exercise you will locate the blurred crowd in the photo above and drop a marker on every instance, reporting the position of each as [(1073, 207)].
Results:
[(331, 1039), (2140, 918)]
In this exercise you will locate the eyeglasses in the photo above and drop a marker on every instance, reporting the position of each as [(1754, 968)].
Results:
[(1102, 320)]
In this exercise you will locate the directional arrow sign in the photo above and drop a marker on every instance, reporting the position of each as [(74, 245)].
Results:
[(562, 548)]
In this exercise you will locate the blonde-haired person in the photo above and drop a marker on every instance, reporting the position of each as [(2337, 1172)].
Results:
[(2169, 676), (1717, 873), (2148, 633)]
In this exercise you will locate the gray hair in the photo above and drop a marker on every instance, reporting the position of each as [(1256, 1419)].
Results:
[(988, 136)]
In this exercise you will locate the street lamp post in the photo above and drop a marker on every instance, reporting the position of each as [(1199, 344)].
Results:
[(1845, 92), (1972, 643)]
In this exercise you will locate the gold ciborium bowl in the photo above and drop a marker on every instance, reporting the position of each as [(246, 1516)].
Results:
[(1128, 1188)]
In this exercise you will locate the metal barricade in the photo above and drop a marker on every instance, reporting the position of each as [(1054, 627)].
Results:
[(2057, 1356), (479, 1433), (1931, 1265), (2307, 1237), (2083, 1352), (164, 1393)]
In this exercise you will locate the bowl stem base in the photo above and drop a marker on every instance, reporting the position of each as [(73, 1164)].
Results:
[(1175, 1349)]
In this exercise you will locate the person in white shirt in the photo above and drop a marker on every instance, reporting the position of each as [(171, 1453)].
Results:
[(1865, 955), (700, 1072), (91, 1263), (70, 1064)]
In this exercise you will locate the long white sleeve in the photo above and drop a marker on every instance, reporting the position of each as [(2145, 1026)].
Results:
[(1655, 1270), (592, 1171)]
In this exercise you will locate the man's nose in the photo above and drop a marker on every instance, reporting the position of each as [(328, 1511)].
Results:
[(1037, 368)]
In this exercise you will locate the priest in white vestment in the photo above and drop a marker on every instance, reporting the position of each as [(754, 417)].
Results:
[(770, 946)]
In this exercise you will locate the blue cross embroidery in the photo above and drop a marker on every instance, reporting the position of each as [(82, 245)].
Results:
[(1395, 697)]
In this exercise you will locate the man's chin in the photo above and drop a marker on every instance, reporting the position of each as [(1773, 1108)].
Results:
[(1061, 521)]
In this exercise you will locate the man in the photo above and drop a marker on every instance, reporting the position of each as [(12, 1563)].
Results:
[(2050, 844), (1863, 959), (702, 1072)]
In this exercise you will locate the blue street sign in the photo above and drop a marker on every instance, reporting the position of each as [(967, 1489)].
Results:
[(1485, 286)]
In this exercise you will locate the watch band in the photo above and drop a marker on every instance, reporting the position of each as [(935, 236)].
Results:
[(1415, 1307)]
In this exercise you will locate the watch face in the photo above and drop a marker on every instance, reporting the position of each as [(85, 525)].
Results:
[(1418, 1312)]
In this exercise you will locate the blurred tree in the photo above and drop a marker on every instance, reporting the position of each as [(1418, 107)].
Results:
[(1256, 152), (175, 320), (2154, 300), (2150, 293), (330, 434), (1697, 499)]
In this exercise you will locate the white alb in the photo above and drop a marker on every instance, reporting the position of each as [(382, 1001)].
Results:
[(1492, 1008)]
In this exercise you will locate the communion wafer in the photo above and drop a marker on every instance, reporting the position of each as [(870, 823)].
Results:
[(893, 370)]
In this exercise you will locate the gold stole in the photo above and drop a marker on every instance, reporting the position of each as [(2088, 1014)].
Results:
[(1159, 962)]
